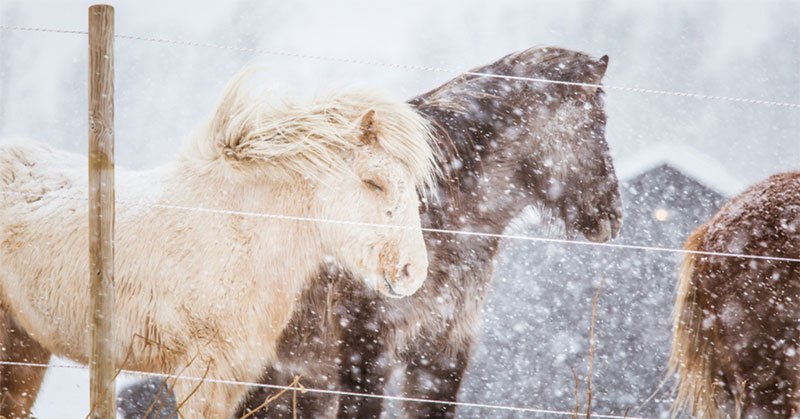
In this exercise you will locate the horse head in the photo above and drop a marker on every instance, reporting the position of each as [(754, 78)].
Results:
[(579, 181), (390, 164), (357, 162), (540, 142)]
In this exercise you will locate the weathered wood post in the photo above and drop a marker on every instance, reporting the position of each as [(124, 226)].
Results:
[(101, 209)]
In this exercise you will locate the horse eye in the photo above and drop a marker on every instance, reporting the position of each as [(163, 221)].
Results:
[(373, 185)]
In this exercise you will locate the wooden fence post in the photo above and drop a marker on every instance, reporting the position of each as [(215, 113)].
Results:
[(101, 209)]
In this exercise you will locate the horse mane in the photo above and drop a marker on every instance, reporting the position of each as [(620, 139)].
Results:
[(469, 103), (250, 134)]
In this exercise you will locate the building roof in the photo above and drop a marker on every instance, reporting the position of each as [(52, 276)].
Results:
[(689, 161)]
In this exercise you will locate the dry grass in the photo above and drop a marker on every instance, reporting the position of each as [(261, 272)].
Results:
[(166, 387), (163, 390), (295, 385), (591, 351), (576, 413), (177, 411), (113, 380)]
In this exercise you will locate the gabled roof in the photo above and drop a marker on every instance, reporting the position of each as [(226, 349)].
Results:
[(687, 160)]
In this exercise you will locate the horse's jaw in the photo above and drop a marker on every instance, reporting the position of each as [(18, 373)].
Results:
[(607, 229), (381, 284)]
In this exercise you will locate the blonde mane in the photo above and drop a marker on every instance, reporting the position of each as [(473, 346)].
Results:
[(254, 133)]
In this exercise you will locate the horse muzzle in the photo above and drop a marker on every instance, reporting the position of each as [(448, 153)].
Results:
[(402, 279), (606, 229), (601, 227)]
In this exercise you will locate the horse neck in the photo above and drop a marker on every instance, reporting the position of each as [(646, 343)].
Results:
[(475, 197), (255, 207)]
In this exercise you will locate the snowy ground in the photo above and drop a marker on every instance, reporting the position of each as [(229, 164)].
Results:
[(65, 391)]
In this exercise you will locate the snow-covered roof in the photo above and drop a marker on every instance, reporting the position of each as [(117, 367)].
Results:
[(689, 161)]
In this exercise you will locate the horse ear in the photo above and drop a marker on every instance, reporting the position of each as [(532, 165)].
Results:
[(368, 130), (599, 69)]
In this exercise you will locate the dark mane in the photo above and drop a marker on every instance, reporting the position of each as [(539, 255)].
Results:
[(472, 107)]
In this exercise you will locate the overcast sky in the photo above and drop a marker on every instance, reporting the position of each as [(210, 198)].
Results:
[(747, 49)]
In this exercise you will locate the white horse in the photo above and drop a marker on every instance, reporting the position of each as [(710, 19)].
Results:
[(208, 294)]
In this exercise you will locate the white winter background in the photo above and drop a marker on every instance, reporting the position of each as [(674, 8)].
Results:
[(746, 49)]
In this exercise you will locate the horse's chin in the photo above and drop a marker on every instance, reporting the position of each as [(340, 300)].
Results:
[(381, 284), (605, 229), (389, 291)]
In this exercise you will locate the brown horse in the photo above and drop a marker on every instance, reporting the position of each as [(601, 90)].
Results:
[(506, 144), (737, 319)]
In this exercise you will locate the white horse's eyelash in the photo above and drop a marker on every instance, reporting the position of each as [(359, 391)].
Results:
[(374, 185)]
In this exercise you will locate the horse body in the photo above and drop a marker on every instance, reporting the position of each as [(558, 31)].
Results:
[(172, 304), (149, 265), (506, 145), (736, 338), (196, 294)]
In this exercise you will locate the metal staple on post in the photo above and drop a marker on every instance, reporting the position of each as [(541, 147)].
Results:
[(101, 210)]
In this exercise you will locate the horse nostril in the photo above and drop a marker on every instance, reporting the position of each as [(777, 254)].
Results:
[(406, 271)]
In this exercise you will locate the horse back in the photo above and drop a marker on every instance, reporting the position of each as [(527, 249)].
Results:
[(29, 170), (745, 309)]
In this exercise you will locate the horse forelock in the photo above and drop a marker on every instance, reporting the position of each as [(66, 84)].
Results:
[(261, 134)]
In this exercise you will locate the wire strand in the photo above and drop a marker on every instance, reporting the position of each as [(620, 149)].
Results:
[(261, 51), (424, 229), (321, 391)]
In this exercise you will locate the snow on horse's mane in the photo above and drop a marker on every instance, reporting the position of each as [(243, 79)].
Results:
[(304, 139)]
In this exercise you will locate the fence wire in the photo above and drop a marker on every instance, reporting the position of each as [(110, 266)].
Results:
[(441, 70), (423, 229), (322, 391)]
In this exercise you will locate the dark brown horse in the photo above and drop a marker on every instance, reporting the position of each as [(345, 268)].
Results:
[(506, 145), (737, 319)]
